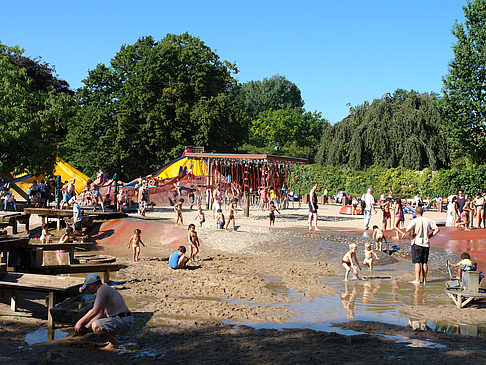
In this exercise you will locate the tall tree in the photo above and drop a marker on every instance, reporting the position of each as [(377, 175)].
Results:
[(155, 97), (402, 129), (465, 85), (34, 105), (272, 93)]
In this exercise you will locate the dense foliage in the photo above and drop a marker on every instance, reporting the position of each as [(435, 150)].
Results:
[(34, 104), (402, 129), (465, 85), (155, 97), (272, 93)]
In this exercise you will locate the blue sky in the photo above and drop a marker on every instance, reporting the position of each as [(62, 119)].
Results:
[(336, 52)]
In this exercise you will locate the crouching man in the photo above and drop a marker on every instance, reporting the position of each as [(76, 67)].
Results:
[(109, 315)]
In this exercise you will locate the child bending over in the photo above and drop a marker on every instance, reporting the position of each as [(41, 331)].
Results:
[(135, 242), (272, 209), (368, 261), (379, 236), (349, 261), (464, 265), (193, 242), (178, 259), (178, 210)]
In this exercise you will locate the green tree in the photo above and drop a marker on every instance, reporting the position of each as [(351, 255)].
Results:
[(34, 105), (402, 129), (465, 85), (289, 132), (155, 97), (272, 93)]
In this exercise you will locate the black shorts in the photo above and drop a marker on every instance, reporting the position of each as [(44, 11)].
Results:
[(420, 254), (77, 226)]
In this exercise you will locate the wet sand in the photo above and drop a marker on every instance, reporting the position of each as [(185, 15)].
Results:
[(270, 279)]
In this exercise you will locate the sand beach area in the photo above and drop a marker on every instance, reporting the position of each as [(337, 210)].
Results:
[(263, 295)]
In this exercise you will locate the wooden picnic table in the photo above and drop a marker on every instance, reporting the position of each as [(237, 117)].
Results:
[(62, 246), (57, 288), (80, 269), (12, 218)]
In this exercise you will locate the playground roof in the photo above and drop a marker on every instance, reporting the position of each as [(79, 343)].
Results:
[(247, 158)]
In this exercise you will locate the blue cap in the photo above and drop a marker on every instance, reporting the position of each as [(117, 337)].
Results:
[(90, 279)]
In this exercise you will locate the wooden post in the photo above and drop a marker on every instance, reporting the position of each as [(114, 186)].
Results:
[(246, 187), (50, 320), (300, 180), (14, 301), (13, 223), (106, 277)]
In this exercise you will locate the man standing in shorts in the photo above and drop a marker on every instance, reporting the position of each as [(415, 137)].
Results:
[(369, 202), (109, 315), (421, 230)]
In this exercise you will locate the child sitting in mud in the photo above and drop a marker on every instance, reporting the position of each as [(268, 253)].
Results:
[(272, 209), (135, 242), (349, 261), (231, 214), (178, 210), (44, 238), (193, 242), (368, 261), (178, 259), (379, 236), (220, 221), (464, 265), (200, 217)]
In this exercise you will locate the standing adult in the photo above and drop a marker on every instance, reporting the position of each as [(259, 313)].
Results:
[(77, 216), (421, 230), (108, 301), (369, 201), (313, 208), (217, 199), (461, 200)]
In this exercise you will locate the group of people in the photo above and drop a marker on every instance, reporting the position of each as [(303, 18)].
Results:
[(465, 209)]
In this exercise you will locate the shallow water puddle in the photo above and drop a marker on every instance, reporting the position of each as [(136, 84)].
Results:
[(40, 335)]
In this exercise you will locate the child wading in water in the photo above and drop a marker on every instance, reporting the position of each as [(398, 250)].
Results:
[(368, 261), (231, 213), (135, 242), (379, 236), (44, 238), (193, 242), (178, 210), (272, 209), (349, 261)]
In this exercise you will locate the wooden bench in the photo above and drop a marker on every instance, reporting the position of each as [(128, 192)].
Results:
[(469, 289), (62, 246), (57, 289), (11, 219), (80, 269)]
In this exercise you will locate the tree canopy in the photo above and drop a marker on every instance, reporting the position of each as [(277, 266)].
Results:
[(155, 97), (465, 86), (399, 130), (272, 93), (34, 104)]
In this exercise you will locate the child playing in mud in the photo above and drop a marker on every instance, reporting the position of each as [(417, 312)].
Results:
[(349, 261), (231, 214), (464, 265), (178, 259), (220, 219), (368, 261), (193, 242), (44, 238), (200, 217), (272, 209), (135, 242), (379, 236), (178, 210)]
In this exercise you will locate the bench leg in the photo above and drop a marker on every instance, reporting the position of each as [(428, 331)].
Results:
[(50, 320), (71, 256), (14, 304), (106, 277), (13, 223)]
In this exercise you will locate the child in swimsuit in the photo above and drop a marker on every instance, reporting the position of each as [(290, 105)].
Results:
[(466, 210), (44, 238), (379, 236), (135, 242), (273, 209), (220, 221), (178, 259), (368, 261), (178, 210), (349, 261), (231, 214), (464, 265), (200, 217), (193, 242)]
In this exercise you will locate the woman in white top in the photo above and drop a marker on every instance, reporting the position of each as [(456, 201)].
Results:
[(479, 204)]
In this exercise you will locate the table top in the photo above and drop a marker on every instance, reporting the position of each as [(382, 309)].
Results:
[(36, 282)]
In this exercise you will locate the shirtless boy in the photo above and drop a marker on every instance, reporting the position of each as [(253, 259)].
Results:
[(135, 242), (193, 242), (272, 209), (231, 213), (349, 261), (379, 236), (178, 210), (368, 261)]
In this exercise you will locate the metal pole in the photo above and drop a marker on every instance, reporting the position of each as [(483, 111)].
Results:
[(300, 179), (115, 198), (246, 187), (58, 191)]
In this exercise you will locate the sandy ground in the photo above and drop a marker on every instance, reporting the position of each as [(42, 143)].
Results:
[(252, 275)]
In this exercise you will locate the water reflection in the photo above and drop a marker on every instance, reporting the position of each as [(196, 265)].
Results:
[(348, 298)]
